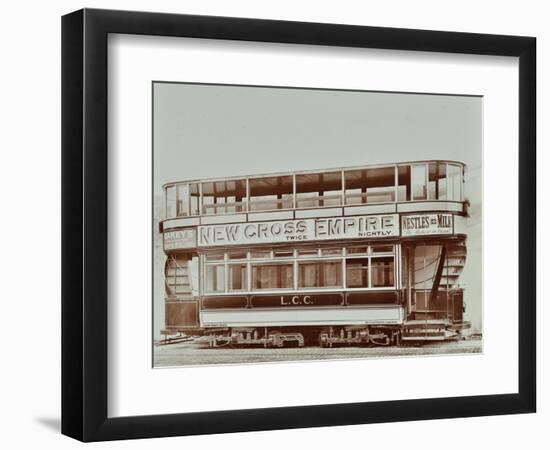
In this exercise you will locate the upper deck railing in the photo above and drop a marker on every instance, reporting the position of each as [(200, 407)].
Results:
[(402, 182)]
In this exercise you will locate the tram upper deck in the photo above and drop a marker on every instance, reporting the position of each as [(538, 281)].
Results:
[(395, 188)]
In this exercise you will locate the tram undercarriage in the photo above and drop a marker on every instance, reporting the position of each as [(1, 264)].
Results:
[(411, 332)]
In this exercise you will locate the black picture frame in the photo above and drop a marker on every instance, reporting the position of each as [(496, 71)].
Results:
[(84, 224)]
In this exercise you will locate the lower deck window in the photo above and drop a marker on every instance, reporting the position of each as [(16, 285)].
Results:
[(237, 277), (311, 268), (272, 276), (357, 273), (320, 274), (215, 278), (382, 272)]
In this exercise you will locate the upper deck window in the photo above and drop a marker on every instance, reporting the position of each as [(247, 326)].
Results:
[(319, 189), (182, 203), (194, 199), (271, 193), (224, 197), (432, 181), (370, 185), (170, 202), (454, 182), (182, 200), (419, 179), (403, 183)]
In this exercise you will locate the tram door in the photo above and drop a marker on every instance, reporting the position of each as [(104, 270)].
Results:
[(430, 278), (181, 305)]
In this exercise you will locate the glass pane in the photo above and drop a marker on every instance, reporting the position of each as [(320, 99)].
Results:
[(424, 265), (382, 249), (442, 181), (382, 271), (215, 280), (170, 202), (370, 185), (437, 182), (183, 200), (454, 182), (271, 193), (237, 255), (223, 197), (176, 272), (358, 250), (404, 183), (237, 277), (419, 182), (194, 209), (272, 276), (432, 181), (260, 254), (331, 252), (357, 273), (320, 274), (177, 280), (308, 253), (319, 189), (214, 257)]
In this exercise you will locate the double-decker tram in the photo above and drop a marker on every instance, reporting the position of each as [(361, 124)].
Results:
[(352, 256)]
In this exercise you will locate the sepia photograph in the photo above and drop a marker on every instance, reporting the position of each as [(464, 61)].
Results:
[(296, 224)]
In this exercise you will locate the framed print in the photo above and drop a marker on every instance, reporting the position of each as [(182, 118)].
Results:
[(273, 224)]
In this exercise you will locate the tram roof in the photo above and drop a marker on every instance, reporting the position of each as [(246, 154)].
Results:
[(315, 171)]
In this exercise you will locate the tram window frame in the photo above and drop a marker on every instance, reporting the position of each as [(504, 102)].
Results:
[(220, 204), (244, 276), (308, 253), (170, 209), (370, 254), (320, 275), (438, 180), (455, 182), (283, 199), (182, 200), (175, 275), (194, 199), (294, 259), (404, 186), (254, 266), (352, 262), (420, 180), (368, 186), (373, 267), (306, 198), (207, 278)]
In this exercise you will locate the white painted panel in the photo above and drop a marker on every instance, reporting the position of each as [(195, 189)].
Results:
[(226, 218), (182, 222), (369, 209), (429, 206), (308, 229), (270, 215), (321, 212), (309, 316), (461, 226)]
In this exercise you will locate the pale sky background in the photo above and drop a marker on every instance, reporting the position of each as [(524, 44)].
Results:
[(205, 131)]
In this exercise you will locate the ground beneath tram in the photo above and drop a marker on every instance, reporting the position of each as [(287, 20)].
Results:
[(196, 352)]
